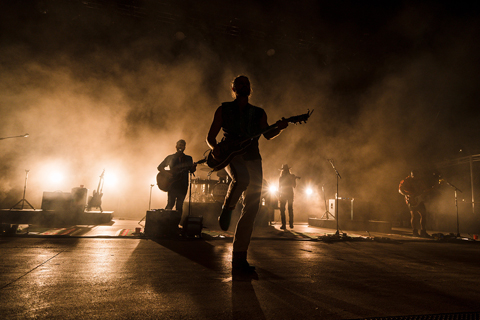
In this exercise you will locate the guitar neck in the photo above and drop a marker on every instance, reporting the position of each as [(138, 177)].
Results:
[(294, 119), (266, 130), (184, 167)]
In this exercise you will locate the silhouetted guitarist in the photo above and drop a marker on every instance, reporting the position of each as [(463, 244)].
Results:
[(239, 119), (415, 188), (173, 176)]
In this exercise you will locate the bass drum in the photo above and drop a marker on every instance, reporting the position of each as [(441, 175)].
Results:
[(219, 192)]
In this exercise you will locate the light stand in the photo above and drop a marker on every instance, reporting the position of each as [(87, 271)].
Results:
[(327, 213), (24, 191), (456, 204), (336, 195)]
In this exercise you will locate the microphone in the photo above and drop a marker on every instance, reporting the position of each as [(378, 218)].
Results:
[(22, 136)]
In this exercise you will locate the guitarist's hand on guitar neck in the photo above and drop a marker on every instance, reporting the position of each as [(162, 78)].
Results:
[(279, 126), (282, 124)]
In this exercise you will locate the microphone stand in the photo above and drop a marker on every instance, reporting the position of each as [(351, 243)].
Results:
[(456, 204), (336, 195), (190, 193), (21, 136), (24, 191)]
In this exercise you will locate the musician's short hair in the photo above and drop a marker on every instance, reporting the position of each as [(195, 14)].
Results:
[(182, 141), (234, 81)]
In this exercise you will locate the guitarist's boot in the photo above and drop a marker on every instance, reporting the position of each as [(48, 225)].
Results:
[(240, 263), (284, 221), (225, 217), (424, 234)]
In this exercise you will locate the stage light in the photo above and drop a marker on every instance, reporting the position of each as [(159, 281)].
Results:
[(111, 179), (308, 191), (272, 189), (56, 177)]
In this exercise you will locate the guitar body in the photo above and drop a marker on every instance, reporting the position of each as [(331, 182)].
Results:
[(414, 201), (164, 181), (229, 150), (95, 200)]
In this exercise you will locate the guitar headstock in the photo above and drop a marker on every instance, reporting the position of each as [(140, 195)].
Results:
[(300, 118)]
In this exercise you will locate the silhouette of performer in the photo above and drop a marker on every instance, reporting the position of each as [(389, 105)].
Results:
[(415, 188), (239, 119), (180, 165), (286, 183)]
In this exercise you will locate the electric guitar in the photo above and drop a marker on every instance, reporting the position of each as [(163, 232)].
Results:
[(414, 201), (232, 148), (166, 178), (96, 199)]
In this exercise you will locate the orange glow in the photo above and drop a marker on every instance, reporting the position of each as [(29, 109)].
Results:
[(308, 191), (273, 189)]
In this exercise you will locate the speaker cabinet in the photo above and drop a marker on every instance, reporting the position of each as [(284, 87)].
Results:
[(57, 201), (345, 208), (192, 227), (161, 223)]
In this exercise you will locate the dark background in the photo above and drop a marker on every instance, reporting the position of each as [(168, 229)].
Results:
[(114, 84)]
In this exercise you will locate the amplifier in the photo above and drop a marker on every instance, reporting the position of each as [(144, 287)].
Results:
[(192, 227), (162, 223), (57, 201)]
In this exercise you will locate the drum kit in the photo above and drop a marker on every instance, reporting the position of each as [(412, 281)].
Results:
[(210, 190)]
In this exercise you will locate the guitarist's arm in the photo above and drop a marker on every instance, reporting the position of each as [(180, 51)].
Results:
[(192, 166), (161, 167), (280, 126), (215, 128)]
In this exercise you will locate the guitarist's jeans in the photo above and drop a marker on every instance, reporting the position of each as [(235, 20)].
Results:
[(283, 204), (176, 197), (247, 177)]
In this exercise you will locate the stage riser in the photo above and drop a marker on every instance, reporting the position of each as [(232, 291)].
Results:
[(352, 225), (55, 218)]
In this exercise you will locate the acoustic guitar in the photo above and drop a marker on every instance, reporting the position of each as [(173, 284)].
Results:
[(165, 179)]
